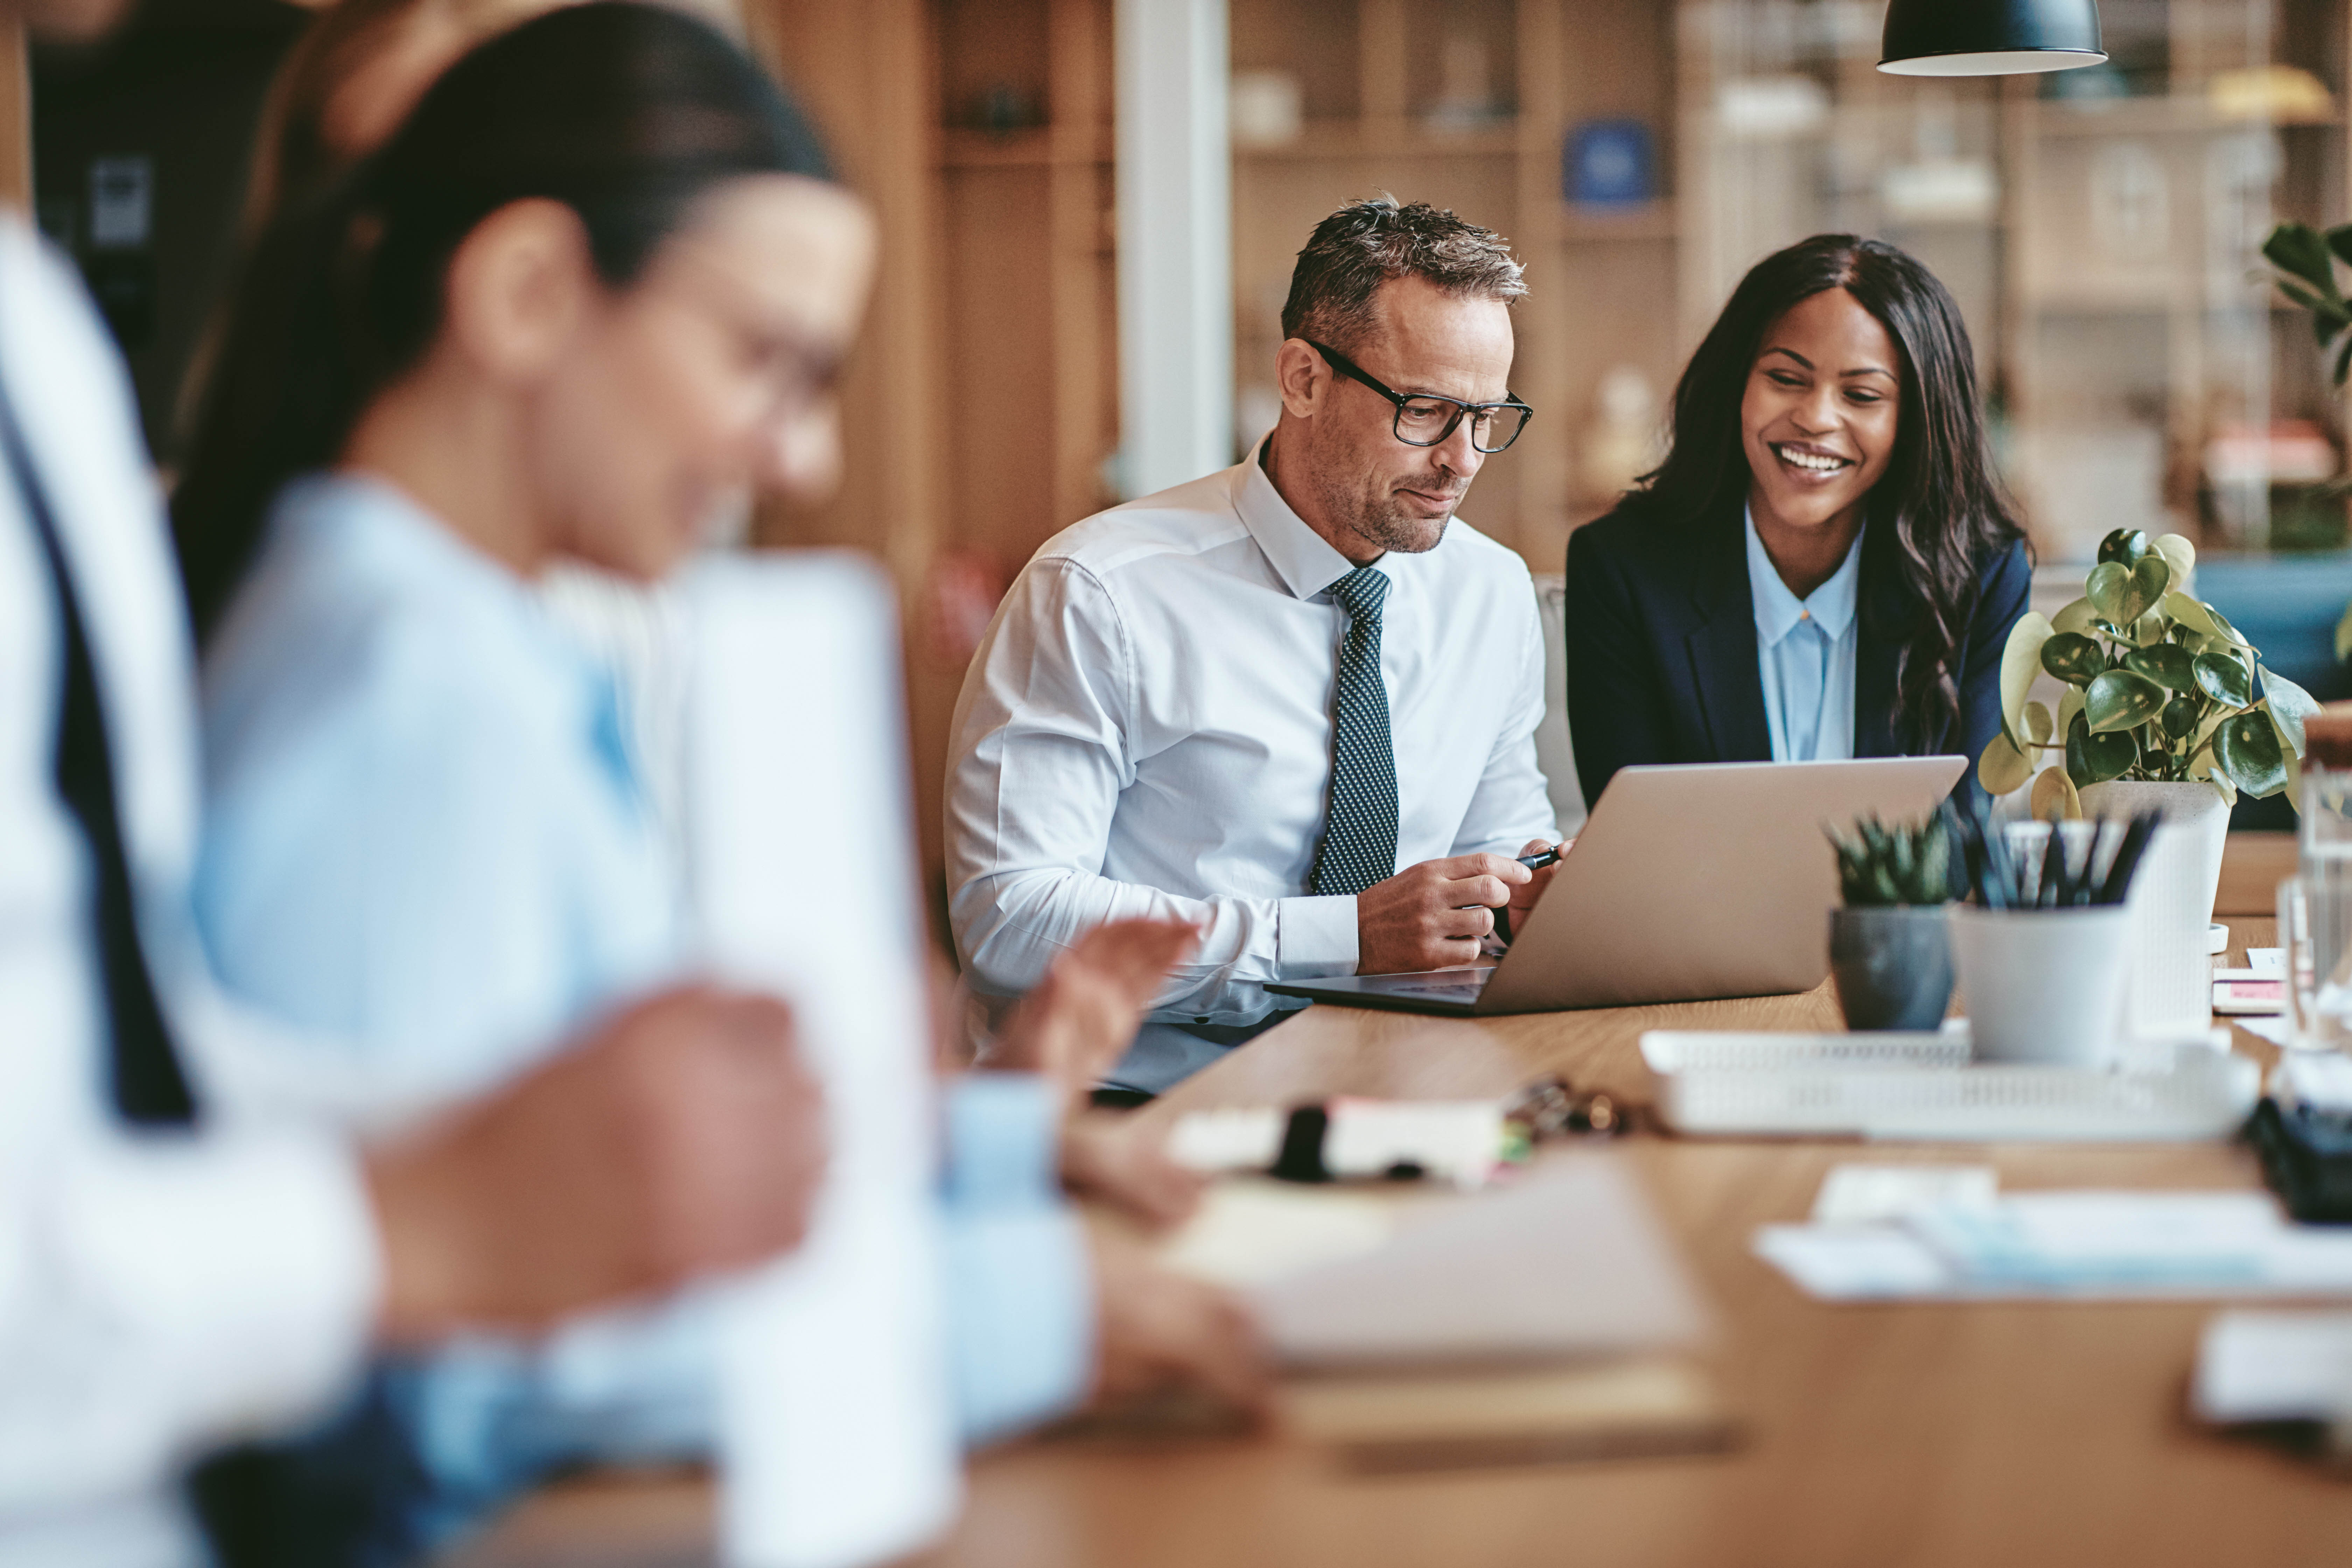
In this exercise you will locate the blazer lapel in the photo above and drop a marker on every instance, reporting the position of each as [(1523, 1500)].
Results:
[(1885, 614), (1722, 646)]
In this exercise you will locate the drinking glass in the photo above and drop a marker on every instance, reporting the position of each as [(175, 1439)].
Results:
[(2314, 919)]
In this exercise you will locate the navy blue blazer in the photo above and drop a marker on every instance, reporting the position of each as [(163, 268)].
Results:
[(1661, 660)]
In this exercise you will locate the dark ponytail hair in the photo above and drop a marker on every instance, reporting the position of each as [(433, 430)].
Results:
[(1939, 508), (624, 112)]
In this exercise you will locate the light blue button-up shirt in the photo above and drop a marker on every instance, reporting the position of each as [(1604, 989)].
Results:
[(425, 835), (1805, 652)]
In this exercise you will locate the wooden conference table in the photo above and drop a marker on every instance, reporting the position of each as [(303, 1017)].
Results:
[(1876, 1435)]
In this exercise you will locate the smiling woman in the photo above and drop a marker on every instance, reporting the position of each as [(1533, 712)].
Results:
[(1825, 565)]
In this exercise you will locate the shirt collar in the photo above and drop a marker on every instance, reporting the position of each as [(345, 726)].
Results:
[(1303, 558), (1779, 612)]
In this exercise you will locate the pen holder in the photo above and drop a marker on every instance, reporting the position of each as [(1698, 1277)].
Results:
[(2042, 986)]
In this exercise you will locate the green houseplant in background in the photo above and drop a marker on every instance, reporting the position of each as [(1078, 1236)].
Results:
[(1888, 948), (2305, 260), (2166, 707), (2160, 689)]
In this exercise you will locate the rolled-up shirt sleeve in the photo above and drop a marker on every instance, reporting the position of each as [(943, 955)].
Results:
[(1039, 757), (1512, 804), (159, 1295), (1021, 1324)]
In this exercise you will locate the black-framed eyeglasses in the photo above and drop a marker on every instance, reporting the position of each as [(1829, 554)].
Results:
[(1426, 420)]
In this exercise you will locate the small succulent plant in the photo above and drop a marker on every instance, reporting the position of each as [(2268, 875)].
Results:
[(1909, 863)]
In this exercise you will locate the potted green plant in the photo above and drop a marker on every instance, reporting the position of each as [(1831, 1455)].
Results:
[(1888, 951), (2166, 705)]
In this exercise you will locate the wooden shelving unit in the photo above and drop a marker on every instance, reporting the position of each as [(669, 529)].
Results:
[(1602, 286)]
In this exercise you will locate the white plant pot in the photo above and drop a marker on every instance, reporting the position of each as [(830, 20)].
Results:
[(2042, 986), (2171, 901)]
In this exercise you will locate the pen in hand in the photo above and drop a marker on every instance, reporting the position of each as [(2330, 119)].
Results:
[(1535, 862)]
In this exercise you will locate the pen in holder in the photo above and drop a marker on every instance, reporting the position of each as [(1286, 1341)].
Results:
[(2042, 950)]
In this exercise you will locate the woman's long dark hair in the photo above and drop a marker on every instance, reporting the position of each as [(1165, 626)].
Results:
[(624, 112), (1940, 507)]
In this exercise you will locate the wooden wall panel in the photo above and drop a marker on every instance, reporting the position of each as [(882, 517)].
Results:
[(15, 117)]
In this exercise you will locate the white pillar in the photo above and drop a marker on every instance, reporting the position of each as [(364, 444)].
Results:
[(1175, 243)]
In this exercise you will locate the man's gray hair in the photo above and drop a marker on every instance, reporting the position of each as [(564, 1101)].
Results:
[(1363, 245)]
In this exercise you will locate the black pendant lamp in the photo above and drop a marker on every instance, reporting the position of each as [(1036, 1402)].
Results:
[(1990, 38)]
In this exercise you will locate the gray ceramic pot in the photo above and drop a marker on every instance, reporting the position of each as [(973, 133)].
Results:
[(1893, 965)]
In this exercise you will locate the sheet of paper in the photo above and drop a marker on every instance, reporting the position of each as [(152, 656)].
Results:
[(838, 1441), (1567, 1261), (2266, 960), (1250, 1232), (2274, 1367), (1856, 1194), (2070, 1245)]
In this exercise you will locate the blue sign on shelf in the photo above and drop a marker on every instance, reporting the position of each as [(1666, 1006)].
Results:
[(1609, 164)]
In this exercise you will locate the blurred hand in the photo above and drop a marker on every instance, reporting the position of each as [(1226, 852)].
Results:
[(1524, 895), (1158, 1330), (1433, 914), (683, 1136), (1080, 1019), (1110, 1158)]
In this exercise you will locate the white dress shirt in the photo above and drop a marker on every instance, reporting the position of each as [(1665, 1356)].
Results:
[(1805, 652), (1146, 730), (164, 1291)]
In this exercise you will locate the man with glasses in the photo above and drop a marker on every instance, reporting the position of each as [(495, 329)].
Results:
[(1286, 702)]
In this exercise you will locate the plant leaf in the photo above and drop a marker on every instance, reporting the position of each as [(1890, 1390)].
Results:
[(2344, 634), (2343, 360), (2038, 727), (2120, 700), (2222, 625), (2180, 716), (2180, 555), (2311, 300), (2248, 750), (2070, 707), (2192, 613), (2003, 768), (2294, 782), (2092, 759), (2078, 617), (2288, 705), (2223, 677), (2167, 664), (2300, 249), (2106, 587), (2021, 661), (2071, 657), (2124, 545), (2054, 791)]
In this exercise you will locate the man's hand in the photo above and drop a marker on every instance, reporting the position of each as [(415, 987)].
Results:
[(1083, 1016), (1111, 1158), (1157, 1330), (683, 1136), (1433, 914)]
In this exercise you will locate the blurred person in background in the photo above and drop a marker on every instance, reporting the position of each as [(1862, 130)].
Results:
[(597, 282), (1293, 703), (187, 1258), (1825, 565)]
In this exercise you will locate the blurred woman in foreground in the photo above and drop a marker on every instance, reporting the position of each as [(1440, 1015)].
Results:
[(598, 282)]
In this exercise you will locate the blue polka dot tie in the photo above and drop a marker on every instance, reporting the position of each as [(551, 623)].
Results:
[(1359, 831)]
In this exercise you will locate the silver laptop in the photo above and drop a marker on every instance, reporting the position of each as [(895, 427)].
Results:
[(1687, 883)]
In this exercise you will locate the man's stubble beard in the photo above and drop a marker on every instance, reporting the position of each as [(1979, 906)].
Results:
[(1378, 518)]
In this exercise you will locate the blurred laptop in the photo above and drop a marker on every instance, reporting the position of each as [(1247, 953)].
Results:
[(1706, 880)]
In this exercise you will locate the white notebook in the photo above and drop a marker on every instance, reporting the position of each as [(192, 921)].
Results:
[(838, 1445)]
